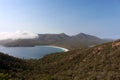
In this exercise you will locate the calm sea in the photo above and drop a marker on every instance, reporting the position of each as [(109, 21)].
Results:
[(29, 52)]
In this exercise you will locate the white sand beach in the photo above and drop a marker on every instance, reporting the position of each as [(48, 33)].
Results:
[(65, 49)]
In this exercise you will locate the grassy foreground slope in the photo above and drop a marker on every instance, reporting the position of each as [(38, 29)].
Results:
[(101, 62), (98, 63), (11, 67)]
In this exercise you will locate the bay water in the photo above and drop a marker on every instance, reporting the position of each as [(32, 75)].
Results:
[(30, 52)]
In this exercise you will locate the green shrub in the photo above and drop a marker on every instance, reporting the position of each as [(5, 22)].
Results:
[(4, 76)]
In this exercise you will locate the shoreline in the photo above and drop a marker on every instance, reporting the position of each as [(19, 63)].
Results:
[(65, 49)]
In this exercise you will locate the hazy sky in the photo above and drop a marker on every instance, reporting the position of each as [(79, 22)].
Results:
[(96, 17)]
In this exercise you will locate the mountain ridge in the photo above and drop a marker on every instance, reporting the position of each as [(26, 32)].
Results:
[(62, 40)]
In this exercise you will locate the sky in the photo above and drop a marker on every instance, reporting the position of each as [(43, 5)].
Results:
[(96, 17)]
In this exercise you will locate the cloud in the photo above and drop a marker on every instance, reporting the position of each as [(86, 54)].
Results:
[(17, 35)]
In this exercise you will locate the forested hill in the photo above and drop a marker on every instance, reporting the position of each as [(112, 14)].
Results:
[(11, 67), (101, 62)]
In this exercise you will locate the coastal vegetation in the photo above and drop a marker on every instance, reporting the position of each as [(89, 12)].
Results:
[(97, 63)]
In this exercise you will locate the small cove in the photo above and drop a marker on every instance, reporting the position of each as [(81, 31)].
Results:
[(31, 52)]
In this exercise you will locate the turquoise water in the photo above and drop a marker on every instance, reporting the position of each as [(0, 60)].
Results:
[(29, 52)]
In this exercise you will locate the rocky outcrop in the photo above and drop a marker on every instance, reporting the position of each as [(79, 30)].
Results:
[(98, 50), (116, 44)]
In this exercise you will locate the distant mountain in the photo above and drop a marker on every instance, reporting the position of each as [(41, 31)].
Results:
[(108, 39), (82, 40), (62, 40), (70, 42), (53, 38), (20, 42), (101, 62)]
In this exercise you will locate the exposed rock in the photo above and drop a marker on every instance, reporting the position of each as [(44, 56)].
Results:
[(98, 50), (116, 44)]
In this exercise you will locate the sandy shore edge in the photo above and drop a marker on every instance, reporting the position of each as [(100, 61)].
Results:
[(65, 49)]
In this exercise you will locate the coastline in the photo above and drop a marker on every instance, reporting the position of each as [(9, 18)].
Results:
[(65, 49)]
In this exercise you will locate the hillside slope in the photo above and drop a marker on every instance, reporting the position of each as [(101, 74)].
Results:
[(11, 67), (98, 63), (101, 62)]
